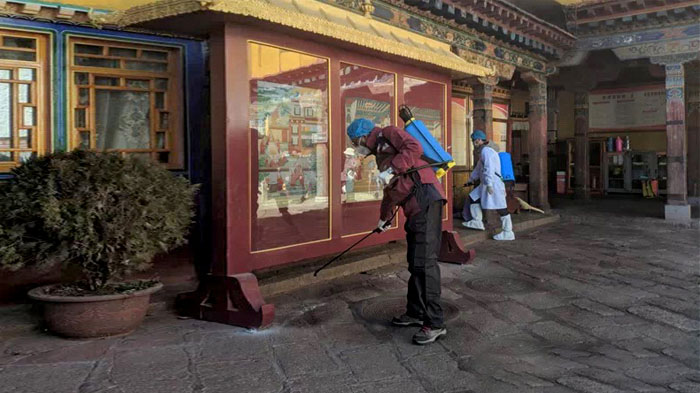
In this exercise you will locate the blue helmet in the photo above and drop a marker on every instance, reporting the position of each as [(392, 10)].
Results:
[(360, 127), (478, 134)]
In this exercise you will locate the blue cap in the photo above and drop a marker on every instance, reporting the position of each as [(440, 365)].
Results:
[(360, 127), (478, 134)]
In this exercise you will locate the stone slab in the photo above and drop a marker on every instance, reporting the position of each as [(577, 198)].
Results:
[(677, 213)]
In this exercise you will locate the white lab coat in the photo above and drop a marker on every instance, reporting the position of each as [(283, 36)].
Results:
[(488, 171)]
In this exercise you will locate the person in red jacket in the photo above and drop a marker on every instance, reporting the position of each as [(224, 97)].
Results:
[(420, 195)]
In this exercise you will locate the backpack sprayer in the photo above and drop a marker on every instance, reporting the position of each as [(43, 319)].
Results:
[(436, 157), (433, 153)]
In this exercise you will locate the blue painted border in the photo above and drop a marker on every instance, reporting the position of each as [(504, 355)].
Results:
[(193, 82)]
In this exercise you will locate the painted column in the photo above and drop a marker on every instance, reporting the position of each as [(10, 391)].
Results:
[(581, 165), (676, 149), (553, 110), (677, 207), (483, 104), (538, 139)]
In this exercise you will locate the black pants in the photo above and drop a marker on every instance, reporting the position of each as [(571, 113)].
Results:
[(424, 235)]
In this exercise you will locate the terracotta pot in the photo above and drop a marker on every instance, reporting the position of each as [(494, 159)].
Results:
[(93, 316)]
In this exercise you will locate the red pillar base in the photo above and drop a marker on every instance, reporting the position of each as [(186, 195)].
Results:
[(233, 300), (452, 250)]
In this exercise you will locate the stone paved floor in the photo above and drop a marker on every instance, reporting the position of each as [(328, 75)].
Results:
[(603, 301)]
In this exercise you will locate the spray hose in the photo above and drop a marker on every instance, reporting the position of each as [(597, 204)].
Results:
[(376, 230)]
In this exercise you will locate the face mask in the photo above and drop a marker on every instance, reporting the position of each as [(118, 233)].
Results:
[(362, 151)]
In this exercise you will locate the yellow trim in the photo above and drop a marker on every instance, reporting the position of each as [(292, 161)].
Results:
[(319, 18), (330, 161), (289, 246)]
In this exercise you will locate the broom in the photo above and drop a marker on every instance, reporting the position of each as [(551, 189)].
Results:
[(526, 206)]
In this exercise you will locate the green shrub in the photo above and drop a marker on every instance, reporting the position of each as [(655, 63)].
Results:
[(101, 213)]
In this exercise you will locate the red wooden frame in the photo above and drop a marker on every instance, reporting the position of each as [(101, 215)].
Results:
[(235, 126)]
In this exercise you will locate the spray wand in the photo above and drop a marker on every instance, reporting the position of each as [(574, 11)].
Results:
[(376, 230)]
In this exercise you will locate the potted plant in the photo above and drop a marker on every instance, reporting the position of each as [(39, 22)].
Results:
[(100, 216)]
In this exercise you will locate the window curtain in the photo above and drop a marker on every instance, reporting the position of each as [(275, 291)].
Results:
[(122, 119)]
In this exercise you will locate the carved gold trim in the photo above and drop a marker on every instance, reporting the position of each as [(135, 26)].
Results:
[(367, 8), (318, 18)]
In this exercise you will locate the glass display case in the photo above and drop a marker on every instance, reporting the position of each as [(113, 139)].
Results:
[(627, 171), (289, 126), (643, 168)]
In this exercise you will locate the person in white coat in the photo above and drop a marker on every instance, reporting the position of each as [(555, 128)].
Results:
[(491, 191)]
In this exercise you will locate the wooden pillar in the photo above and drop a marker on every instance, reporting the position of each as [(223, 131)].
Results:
[(581, 165), (538, 139), (483, 104), (692, 82), (677, 207), (675, 135)]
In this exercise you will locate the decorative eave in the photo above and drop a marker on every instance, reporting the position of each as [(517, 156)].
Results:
[(473, 46), (613, 16), (497, 21), (55, 13), (317, 18), (513, 21)]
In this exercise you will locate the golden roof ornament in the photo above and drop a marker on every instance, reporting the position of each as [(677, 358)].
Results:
[(367, 7), (98, 20)]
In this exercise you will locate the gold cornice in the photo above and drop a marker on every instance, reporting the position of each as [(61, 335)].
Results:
[(318, 18), (463, 88), (156, 10)]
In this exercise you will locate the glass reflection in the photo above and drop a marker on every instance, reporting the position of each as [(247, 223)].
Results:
[(364, 93), (289, 152), (427, 101), (460, 131), (6, 111), (500, 125)]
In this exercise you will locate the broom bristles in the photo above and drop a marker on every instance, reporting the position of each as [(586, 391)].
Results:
[(527, 206)]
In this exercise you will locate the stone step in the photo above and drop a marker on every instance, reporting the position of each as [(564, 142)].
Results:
[(471, 237), (390, 256), (277, 281)]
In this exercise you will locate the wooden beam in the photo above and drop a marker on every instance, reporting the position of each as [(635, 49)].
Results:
[(596, 16)]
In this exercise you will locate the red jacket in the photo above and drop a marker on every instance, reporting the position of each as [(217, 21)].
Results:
[(395, 148)]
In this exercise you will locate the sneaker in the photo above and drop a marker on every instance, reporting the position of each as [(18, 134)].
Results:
[(406, 320), (426, 335)]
